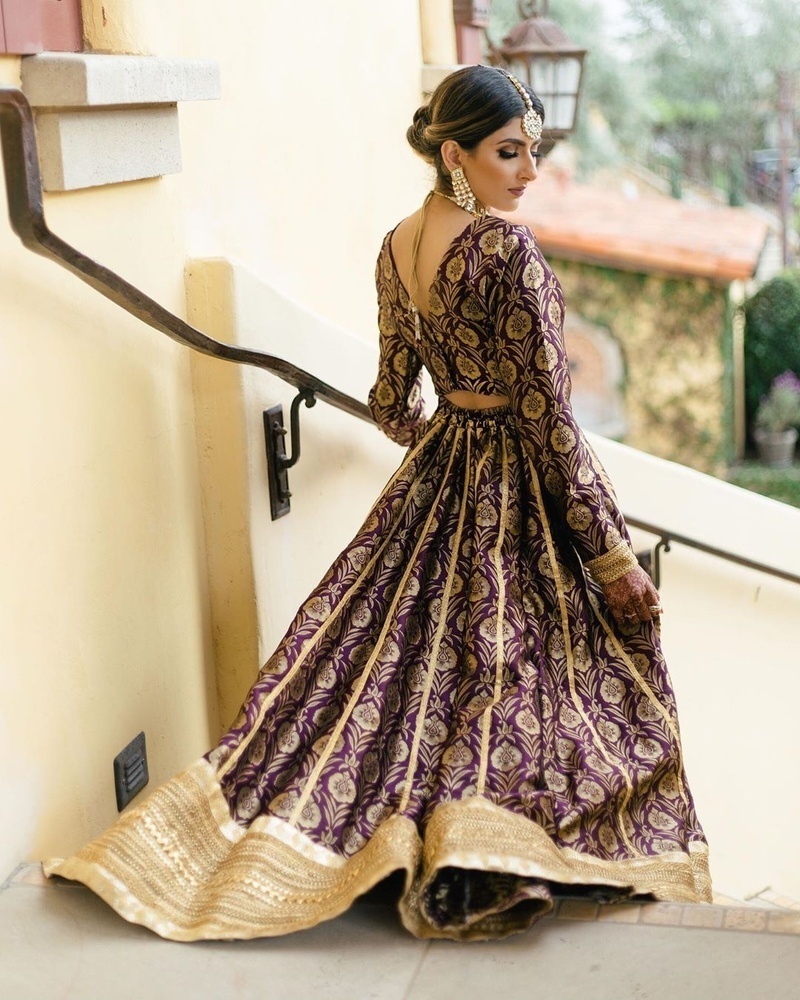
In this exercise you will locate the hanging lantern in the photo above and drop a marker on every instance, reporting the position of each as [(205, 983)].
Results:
[(539, 53)]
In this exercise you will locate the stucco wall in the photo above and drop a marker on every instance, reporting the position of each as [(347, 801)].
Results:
[(302, 167), (675, 343), (104, 594), (102, 589), (731, 637), (261, 570)]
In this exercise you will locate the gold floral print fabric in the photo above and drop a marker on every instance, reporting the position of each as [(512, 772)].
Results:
[(452, 700), (494, 327)]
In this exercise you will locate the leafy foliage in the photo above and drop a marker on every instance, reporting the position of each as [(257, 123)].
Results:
[(613, 113), (704, 64), (779, 410), (772, 336), (779, 484), (692, 83)]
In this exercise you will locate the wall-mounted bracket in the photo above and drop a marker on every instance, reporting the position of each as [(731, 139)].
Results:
[(650, 560), (661, 546), (278, 462)]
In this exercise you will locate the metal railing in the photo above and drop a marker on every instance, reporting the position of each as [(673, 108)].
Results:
[(25, 207), (666, 538)]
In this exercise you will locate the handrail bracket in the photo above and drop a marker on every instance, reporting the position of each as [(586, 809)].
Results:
[(278, 462), (661, 546)]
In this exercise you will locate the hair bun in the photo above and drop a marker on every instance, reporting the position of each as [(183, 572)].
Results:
[(416, 135), (423, 114)]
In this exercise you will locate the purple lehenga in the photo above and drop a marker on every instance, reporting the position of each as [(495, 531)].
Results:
[(453, 700)]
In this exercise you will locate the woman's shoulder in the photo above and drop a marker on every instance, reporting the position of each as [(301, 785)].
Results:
[(506, 225), (499, 236)]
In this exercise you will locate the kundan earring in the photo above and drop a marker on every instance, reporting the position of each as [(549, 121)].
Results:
[(464, 195)]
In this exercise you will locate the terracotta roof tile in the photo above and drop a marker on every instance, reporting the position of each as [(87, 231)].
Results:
[(649, 233)]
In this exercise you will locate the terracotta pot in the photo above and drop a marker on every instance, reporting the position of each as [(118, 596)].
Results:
[(775, 448)]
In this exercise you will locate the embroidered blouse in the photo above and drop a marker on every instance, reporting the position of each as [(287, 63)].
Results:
[(495, 328)]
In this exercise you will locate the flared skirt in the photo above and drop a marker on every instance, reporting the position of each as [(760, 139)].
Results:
[(452, 701)]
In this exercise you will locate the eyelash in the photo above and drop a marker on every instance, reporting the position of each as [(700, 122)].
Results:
[(507, 155)]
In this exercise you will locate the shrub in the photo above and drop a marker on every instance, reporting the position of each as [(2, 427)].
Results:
[(772, 336), (779, 484), (779, 410)]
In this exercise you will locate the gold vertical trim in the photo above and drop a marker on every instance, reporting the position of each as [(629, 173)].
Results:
[(627, 660), (501, 614), (437, 641), (648, 692), (309, 644), (365, 673), (562, 603)]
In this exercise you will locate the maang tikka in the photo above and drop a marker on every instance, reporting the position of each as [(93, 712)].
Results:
[(532, 123), (464, 196)]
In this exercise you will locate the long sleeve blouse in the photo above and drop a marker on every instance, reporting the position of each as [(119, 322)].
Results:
[(495, 326)]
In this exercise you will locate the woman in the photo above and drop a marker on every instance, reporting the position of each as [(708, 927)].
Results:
[(474, 695)]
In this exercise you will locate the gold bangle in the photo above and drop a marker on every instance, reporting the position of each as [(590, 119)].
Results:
[(612, 564)]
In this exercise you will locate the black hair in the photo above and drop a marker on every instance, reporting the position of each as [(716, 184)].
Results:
[(467, 106)]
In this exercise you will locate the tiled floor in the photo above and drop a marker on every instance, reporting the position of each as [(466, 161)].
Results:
[(59, 942)]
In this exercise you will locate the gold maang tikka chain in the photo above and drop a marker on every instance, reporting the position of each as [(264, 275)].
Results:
[(532, 123)]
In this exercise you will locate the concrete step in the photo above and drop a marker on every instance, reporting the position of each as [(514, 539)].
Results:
[(57, 939)]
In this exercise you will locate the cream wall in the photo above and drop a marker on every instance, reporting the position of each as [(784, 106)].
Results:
[(732, 641), (108, 616), (302, 167), (261, 570), (111, 621), (102, 592)]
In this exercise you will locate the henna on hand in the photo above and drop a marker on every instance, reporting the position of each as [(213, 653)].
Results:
[(633, 598)]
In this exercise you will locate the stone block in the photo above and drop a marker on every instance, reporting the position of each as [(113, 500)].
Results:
[(80, 80), (80, 149)]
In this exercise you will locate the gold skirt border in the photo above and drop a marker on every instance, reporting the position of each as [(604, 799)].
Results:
[(179, 865)]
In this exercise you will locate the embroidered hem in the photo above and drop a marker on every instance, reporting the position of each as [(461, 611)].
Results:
[(179, 865)]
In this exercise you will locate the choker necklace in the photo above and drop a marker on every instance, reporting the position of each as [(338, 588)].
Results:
[(478, 212)]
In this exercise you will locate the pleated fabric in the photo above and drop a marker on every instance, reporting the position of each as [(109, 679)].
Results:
[(453, 701)]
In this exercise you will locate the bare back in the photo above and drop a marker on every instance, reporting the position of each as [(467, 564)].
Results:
[(443, 222)]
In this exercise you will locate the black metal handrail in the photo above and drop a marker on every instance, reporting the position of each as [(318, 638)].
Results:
[(25, 208), (666, 538)]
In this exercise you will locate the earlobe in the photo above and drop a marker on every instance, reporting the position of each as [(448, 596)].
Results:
[(451, 154)]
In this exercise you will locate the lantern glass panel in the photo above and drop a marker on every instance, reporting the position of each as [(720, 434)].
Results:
[(555, 79), (519, 69), (568, 75), (561, 112), (542, 76)]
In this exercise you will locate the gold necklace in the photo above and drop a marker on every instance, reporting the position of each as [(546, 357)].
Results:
[(478, 213)]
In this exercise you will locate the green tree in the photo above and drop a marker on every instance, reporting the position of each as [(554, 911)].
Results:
[(694, 85), (614, 111), (711, 75), (705, 101), (772, 335)]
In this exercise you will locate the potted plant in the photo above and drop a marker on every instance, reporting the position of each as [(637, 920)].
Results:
[(777, 419)]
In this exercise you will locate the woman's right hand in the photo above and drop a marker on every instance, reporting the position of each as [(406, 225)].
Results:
[(633, 598)]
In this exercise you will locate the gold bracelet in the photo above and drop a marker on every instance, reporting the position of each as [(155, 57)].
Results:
[(612, 564)]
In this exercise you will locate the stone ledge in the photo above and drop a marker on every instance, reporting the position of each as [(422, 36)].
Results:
[(83, 149), (81, 80), (104, 119)]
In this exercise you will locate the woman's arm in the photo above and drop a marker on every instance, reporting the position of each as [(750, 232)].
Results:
[(395, 400), (528, 313)]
